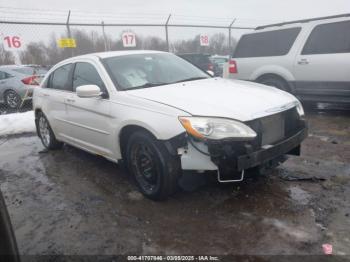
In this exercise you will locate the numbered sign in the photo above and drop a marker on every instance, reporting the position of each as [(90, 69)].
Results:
[(204, 40), (129, 39), (12, 42)]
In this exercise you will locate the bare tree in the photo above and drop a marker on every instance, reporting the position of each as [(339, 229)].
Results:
[(6, 57), (218, 44), (154, 43), (35, 53), (92, 41)]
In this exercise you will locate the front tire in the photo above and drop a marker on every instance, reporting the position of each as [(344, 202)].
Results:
[(155, 170), (46, 134)]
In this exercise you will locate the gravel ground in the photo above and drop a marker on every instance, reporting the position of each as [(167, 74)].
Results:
[(72, 202)]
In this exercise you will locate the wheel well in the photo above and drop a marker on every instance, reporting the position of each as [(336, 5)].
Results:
[(37, 112), (125, 134), (7, 90), (275, 76)]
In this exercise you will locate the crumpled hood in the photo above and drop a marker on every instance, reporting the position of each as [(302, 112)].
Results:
[(241, 100)]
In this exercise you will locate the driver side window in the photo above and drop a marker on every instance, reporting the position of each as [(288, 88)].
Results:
[(86, 74)]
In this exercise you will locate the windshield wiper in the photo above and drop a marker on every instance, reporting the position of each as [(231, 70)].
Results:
[(147, 85), (191, 79)]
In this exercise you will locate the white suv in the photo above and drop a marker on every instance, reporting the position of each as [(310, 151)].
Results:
[(161, 115), (309, 58)]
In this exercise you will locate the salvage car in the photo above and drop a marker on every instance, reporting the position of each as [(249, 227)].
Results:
[(161, 115)]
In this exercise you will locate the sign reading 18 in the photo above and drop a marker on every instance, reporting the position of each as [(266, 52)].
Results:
[(12, 41)]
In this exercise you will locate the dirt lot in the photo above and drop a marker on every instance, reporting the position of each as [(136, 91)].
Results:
[(71, 202)]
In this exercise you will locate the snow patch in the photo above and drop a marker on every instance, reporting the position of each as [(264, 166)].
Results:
[(17, 123)]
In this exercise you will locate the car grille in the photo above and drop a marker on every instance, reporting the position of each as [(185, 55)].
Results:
[(274, 128)]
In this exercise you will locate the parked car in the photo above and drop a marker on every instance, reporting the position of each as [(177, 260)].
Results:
[(202, 61), (17, 83), (219, 60), (309, 58), (161, 115)]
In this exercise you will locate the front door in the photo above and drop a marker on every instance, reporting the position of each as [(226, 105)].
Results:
[(90, 117)]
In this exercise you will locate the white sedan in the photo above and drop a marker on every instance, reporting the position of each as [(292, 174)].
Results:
[(162, 115)]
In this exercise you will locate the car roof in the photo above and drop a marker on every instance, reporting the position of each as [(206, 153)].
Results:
[(11, 66), (17, 66), (220, 56), (284, 25), (119, 53), (180, 54)]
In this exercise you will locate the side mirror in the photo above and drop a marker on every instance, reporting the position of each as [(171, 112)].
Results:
[(211, 73), (87, 91)]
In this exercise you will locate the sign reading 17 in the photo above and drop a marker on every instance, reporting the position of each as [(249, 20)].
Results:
[(129, 39), (12, 42)]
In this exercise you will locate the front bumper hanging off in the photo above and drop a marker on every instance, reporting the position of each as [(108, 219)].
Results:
[(266, 154)]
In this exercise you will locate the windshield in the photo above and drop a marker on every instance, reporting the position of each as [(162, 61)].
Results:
[(148, 70)]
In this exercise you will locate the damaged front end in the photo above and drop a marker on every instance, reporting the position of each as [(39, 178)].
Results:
[(276, 136)]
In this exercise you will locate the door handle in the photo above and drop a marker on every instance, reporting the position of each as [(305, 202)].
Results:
[(70, 100), (46, 95), (303, 62)]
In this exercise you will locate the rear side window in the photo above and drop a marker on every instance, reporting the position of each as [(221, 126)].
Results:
[(272, 43), (4, 75), (329, 39), (86, 74), (60, 78)]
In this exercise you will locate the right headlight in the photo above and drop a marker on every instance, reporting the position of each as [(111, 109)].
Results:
[(300, 108), (217, 128)]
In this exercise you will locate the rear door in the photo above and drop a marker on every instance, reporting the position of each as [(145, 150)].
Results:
[(90, 117), (54, 93), (322, 66)]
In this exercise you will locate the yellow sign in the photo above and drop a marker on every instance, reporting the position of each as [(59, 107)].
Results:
[(67, 43)]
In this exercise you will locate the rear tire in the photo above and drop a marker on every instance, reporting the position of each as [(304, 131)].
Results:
[(155, 170), (12, 99), (274, 82), (46, 134)]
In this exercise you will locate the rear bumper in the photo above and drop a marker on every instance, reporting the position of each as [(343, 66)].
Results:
[(264, 155)]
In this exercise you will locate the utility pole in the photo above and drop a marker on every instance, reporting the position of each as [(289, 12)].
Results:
[(166, 32), (229, 35), (68, 31), (104, 36)]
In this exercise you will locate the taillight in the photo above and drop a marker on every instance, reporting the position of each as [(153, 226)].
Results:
[(232, 67), (31, 80), (210, 67)]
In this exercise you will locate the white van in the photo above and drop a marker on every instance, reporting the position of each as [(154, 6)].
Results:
[(309, 58)]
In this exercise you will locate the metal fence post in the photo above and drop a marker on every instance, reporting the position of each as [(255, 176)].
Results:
[(104, 36), (166, 32), (229, 35), (68, 31)]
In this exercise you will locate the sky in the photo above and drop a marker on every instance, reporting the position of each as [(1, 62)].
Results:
[(263, 10)]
